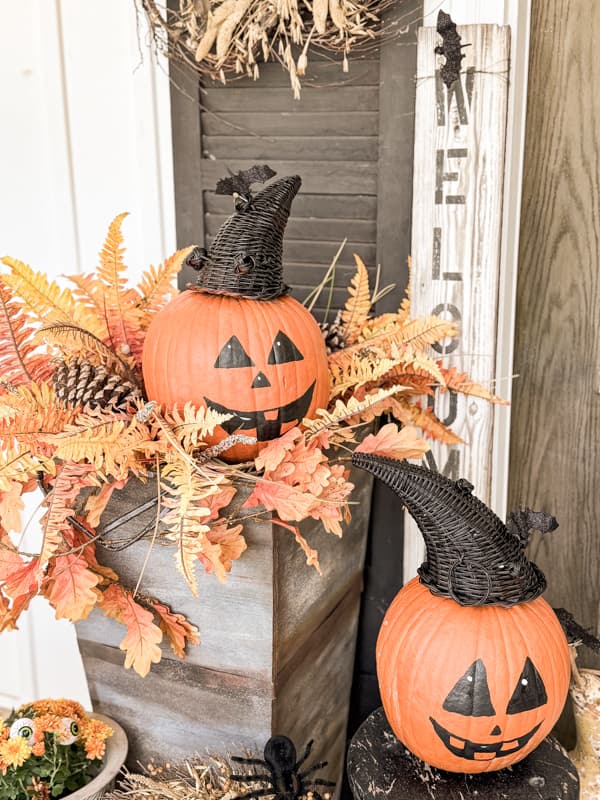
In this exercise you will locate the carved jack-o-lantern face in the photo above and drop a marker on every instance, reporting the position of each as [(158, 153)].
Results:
[(263, 362), (471, 689)]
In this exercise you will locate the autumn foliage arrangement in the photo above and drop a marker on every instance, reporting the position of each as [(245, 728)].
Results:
[(75, 420)]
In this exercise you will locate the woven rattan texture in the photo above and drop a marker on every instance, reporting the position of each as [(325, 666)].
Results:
[(471, 556), (246, 256)]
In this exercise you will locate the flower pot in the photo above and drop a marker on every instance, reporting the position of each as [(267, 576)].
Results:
[(114, 758), (277, 648)]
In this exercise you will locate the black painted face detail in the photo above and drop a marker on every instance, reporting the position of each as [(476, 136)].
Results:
[(530, 691), (233, 355), (473, 751), (266, 429), (284, 350), (470, 695)]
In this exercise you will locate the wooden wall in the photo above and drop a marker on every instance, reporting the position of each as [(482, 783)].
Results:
[(555, 441)]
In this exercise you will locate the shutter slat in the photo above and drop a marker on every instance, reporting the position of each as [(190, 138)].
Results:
[(343, 123), (319, 74), (297, 148), (282, 100), (319, 206), (324, 230)]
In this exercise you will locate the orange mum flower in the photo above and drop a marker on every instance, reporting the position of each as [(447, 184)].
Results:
[(94, 748), (15, 752), (38, 749), (4, 733)]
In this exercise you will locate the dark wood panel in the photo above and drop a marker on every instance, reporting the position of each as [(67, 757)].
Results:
[(347, 123), (311, 274), (298, 148), (320, 206), (555, 457), (361, 72), (325, 230), (346, 98), (331, 177)]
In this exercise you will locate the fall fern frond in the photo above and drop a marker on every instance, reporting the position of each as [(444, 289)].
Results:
[(459, 382), (78, 341), (157, 284), (358, 304), (404, 310), (195, 423), (412, 414), (185, 495), (426, 331), (342, 412), (121, 313), (45, 299), (19, 363), (363, 367), (19, 464)]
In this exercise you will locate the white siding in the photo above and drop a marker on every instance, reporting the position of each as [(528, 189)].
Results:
[(85, 135)]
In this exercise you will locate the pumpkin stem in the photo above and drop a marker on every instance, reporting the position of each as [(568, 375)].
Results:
[(471, 555)]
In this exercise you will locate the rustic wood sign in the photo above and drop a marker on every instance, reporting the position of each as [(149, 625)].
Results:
[(456, 229)]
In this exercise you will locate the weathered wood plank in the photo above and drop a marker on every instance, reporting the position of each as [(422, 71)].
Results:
[(298, 148), (345, 98), (347, 123), (307, 205), (457, 218), (555, 459), (320, 177), (311, 690), (324, 230), (178, 709), (361, 72)]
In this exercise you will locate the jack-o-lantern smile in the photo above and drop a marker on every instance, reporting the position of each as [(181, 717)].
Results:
[(463, 748), (267, 423)]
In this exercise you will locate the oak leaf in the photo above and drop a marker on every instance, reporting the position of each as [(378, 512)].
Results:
[(71, 587), (143, 635), (178, 630), (391, 442)]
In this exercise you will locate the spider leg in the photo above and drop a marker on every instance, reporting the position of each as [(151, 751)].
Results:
[(250, 778), (257, 793), (257, 762), (305, 756), (314, 768)]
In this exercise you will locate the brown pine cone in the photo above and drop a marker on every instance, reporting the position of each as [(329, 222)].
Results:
[(333, 333), (80, 383)]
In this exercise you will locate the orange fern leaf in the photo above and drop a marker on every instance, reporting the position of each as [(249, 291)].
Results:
[(45, 300), (121, 312), (358, 304), (156, 285), (459, 382), (393, 443), (19, 363)]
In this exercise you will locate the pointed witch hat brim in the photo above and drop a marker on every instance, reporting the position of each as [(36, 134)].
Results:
[(472, 557), (246, 257)]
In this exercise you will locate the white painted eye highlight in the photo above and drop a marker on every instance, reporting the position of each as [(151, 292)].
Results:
[(70, 731), (22, 727)]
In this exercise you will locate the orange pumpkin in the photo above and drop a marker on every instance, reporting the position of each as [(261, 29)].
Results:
[(470, 689), (264, 361), (473, 665)]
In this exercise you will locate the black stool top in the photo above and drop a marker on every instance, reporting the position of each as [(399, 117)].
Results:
[(379, 766)]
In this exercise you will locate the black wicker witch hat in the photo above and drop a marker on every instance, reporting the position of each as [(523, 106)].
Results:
[(245, 258), (472, 556)]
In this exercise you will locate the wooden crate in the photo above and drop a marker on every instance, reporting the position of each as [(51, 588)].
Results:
[(277, 647)]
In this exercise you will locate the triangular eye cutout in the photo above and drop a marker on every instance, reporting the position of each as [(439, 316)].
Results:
[(284, 350), (530, 691), (470, 695), (233, 355)]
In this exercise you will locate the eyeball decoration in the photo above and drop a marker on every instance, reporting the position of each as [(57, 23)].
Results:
[(51, 747)]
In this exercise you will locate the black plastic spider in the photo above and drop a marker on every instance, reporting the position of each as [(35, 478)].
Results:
[(284, 779)]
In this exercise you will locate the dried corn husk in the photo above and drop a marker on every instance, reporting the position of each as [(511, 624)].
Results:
[(585, 694)]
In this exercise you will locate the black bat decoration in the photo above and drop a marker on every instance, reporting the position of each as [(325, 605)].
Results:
[(238, 185), (450, 48)]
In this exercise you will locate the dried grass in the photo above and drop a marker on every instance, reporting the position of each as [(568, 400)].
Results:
[(227, 38), (198, 778)]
